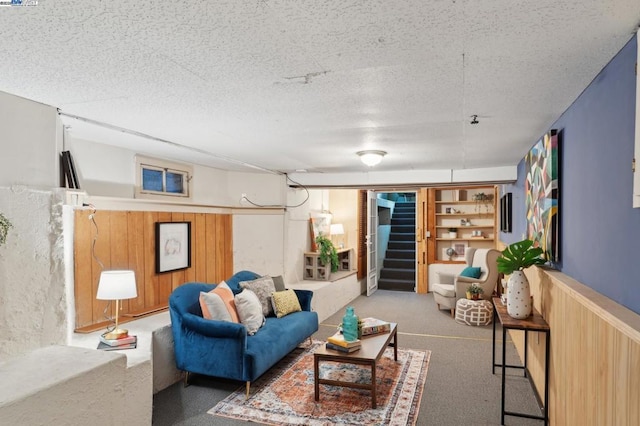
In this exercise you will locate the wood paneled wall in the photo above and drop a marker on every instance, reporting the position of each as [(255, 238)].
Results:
[(126, 240), (595, 353)]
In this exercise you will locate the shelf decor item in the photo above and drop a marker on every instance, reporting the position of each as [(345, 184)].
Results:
[(483, 199), (514, 260), (5, 224), (450, 252), (350, 325), (453, 233)]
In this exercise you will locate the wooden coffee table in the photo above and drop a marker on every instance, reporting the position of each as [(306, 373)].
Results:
[(370, 352)]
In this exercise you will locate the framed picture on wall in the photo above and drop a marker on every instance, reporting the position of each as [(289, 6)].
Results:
[(459, 247), (505, 213), (542, 189), (173, 246)]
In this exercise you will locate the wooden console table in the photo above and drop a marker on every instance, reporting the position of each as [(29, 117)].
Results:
[(536, 323)]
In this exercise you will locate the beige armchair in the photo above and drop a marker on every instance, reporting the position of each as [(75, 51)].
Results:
[(450, 288)]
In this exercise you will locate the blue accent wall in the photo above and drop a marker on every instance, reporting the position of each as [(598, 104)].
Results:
[(599, 229)]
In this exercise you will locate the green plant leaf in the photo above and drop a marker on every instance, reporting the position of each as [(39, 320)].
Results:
[(328, 253), (519, 256)]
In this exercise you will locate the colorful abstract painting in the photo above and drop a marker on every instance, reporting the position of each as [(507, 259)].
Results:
[(542, 190)]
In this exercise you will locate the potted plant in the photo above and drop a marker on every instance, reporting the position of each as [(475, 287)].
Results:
[(474, 291), (328, 253), (513, 261), (482, 199), (5, 224), (453, 232)]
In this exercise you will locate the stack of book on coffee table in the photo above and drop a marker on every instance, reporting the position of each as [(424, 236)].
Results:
[(338, 343), (372, 327)]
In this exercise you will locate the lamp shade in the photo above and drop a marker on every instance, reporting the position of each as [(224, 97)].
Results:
[(336, 229), (117, 285), (371, 158)]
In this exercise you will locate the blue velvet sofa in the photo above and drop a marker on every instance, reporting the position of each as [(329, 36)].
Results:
[(224, 349)]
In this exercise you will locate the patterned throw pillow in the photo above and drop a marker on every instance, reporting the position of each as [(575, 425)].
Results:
[(213, 307), (249, 311), (285, 303), (225, 293), (262, 287)]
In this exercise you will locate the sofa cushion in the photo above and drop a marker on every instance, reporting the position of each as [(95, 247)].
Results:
[(446, 290), (471, 272), (278, 282), (234, 281), (249, 310), (262, 287), (213, 307), (285, 302), (446, 278), (226, 295)]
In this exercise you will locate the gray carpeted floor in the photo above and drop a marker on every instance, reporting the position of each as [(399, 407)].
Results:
[(460, 388)]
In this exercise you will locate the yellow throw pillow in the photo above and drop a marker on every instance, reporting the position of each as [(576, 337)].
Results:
[(285, 302)]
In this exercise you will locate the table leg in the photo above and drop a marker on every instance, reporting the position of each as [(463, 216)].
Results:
[(373, 385), (504, 353), (493, 348), (395, 344), (316, 377), (526, 351)]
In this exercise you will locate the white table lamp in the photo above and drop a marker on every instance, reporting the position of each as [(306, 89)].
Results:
[(117, 285)]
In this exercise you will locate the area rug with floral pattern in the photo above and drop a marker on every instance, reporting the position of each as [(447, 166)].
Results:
[(285, 394)]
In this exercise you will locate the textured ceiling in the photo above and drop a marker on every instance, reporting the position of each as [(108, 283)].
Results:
[(287, 85)]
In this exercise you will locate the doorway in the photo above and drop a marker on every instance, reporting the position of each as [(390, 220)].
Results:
[(396, 241)]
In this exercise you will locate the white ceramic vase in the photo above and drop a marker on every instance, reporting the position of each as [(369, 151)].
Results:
[(518, 296)]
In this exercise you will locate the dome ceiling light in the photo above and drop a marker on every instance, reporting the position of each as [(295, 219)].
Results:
[(371, 157)]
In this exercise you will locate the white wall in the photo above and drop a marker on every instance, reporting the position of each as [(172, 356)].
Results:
[(103, 170), (29, 142), (258, 245), (33, 302)]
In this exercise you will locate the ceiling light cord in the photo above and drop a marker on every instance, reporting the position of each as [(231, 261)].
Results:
[(286, 206)]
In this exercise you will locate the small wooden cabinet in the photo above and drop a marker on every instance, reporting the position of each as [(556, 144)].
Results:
[(313, 270)]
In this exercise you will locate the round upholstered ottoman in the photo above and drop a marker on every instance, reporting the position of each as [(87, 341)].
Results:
[(474, 312)]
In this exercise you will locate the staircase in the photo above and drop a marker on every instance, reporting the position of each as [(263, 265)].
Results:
[(399, 266)]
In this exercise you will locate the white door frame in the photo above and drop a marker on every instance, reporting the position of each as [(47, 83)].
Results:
[(372, 242)]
